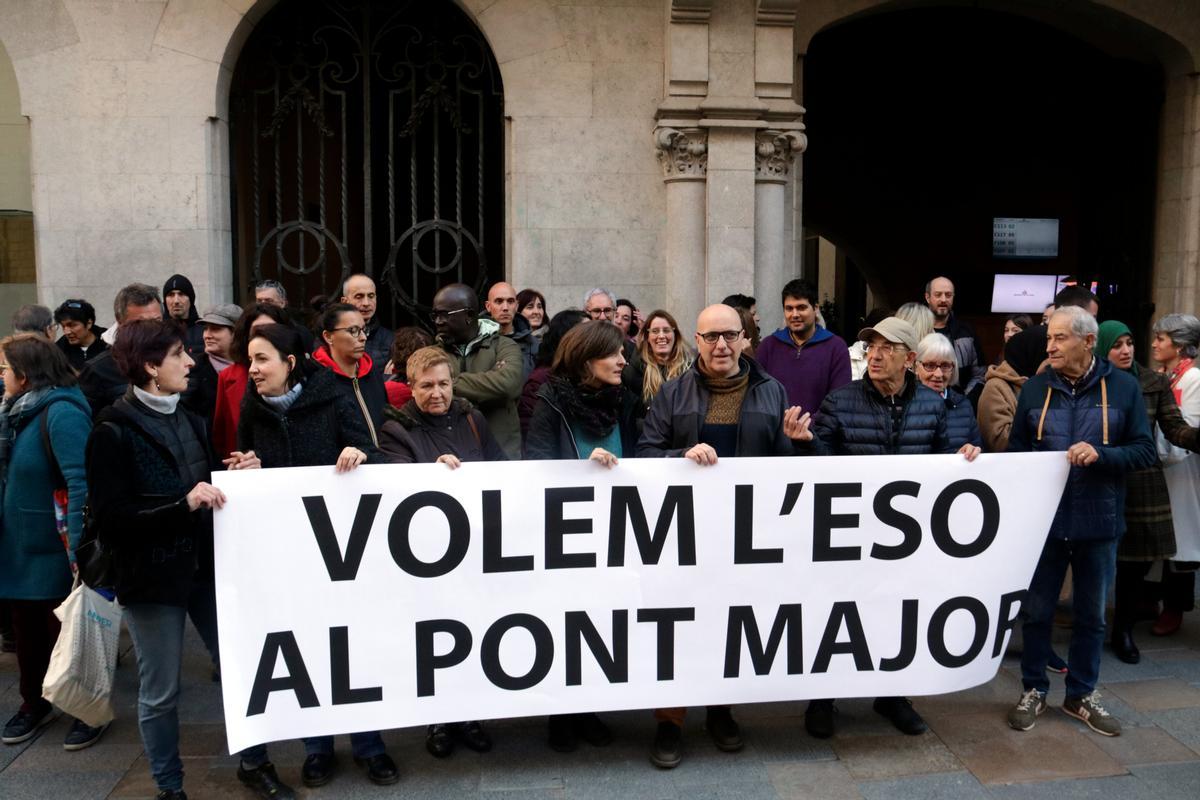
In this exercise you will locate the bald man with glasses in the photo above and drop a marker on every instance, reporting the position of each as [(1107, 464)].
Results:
[(725, 405)]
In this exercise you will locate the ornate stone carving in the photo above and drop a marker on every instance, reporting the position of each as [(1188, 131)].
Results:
[(774, 152), (682, 152)]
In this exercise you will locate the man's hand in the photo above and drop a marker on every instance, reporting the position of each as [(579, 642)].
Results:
[(702, 454), (450, 460), (1082, 454), (796, 422), (969, 451)]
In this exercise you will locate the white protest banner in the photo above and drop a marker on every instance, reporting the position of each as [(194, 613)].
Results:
[(401, 595)]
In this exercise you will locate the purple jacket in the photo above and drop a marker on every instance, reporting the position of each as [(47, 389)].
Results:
[(808, 373)]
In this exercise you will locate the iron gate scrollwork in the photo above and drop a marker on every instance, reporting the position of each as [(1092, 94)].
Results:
[(367, 137)]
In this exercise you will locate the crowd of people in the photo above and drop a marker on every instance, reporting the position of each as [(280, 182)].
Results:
[(131, 421)]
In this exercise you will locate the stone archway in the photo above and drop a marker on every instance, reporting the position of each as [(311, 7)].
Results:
[(1170, 34)]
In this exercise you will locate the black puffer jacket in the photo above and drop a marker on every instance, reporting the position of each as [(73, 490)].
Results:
[(672, 425), (321, 422), (961, 426), (102, 382), (410, 436), (550, 435), (138, 480), (856, 420)]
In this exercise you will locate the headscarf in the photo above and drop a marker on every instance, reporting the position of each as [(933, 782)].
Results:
[(1026, 350), (1110, 331)]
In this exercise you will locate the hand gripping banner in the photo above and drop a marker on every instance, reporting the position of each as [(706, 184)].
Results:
[(402, 595)]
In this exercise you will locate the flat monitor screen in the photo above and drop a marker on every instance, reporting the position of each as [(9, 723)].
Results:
[(1021, 237), (1027, 294)]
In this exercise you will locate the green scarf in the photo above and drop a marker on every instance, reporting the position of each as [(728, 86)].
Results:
[(1110, 331)]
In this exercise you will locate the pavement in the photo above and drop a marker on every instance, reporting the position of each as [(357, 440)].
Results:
[(969, 751)]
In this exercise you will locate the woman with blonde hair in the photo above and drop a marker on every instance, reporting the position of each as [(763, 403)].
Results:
[(919, 316), (660, 357)]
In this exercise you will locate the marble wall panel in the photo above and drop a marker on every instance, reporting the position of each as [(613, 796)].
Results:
[(116, 30), (520, 28), (197, 27), (171, 84), (164, 202), (617, 34), (627, 89), (87, 202), (547, 85), (626, 257), (594, 145), (600, 201)]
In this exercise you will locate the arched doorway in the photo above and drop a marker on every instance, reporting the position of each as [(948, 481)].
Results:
[(926, 125), (367, 136)]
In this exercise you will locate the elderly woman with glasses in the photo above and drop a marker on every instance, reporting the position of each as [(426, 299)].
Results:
[(344, 352), (1174, 349), (937, 369)]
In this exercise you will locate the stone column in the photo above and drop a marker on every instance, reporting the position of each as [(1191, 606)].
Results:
[(774, 151), (684, 157)]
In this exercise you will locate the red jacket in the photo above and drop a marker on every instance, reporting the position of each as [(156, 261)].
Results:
[(398, 393), (231, 387)]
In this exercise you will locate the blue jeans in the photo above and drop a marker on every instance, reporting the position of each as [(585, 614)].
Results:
[(1093, 565), (364, 745), (157, 632)]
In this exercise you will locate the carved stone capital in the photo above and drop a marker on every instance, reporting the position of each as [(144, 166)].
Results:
[(774, 152), (683, 152)]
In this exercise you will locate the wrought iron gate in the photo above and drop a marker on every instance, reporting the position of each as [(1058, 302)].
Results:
[(367, 136)]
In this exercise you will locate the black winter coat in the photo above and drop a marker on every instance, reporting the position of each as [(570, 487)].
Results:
[(102, 383), (550, 435), (672, 425), (312, 433), (856, 420), (1092, 507), (137, 497), (410, 436), (961, 426)]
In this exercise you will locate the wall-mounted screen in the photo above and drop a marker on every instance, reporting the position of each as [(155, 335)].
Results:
[(1020, 237), (1028, 294)]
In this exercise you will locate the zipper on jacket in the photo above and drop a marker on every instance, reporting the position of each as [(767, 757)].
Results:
[(570, 432), (366, 414)]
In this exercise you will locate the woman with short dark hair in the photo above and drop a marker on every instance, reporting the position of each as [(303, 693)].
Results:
[(44, 424), (584, 412), (344, 353), (296, 415), (149, 466)]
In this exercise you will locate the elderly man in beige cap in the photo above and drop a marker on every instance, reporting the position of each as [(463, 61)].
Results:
[(886, 412)]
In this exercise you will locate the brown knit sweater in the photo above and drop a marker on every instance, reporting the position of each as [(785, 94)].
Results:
[(725, 402)]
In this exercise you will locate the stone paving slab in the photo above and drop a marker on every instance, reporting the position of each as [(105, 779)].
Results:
[(1157, 695), (1054, 749), (969, 752)]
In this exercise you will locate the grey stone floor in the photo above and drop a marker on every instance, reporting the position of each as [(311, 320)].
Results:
[(968, 753)]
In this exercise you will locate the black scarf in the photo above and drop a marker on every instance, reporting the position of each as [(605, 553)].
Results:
[(594, 410)]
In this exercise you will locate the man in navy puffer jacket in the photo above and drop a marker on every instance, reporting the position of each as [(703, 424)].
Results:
[(887, 412), (1095, 413)]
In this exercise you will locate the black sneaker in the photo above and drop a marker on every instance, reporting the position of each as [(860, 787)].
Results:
[(667, 749), (25, 724), (381, 770), (723, 728), (265, 783), (818, 719), (899, 712), (83, 735), (171, 794)]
